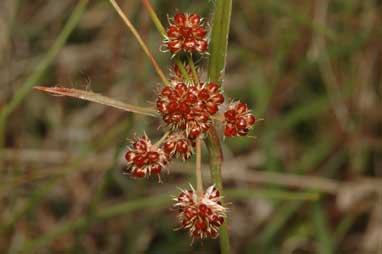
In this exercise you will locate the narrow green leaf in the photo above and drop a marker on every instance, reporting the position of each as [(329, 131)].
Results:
[(323, 233), (42, 66), (159, 201)]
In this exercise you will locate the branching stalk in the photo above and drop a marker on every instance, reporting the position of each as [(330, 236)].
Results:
[(216, 66), (219, 40), (182, 69), (155, 18), (140, 41), (193, 69), (216, 160), (198, 168), (162, 31), (163, 138)]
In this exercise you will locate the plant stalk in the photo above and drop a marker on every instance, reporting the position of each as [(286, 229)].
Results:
[(162, 31), (219, 40), (162, 139), (198, 168), (182, 69), (155, 18), (137, 36), (216, 66), (193, 69), (216, 160)]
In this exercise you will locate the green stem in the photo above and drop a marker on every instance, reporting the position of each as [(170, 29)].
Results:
[(140, 41), (42, 66), (155, 18), (216, 160), (219, 40), (216, 65), (198, 169), (182, 69), (162, 31), (217, 57), (162, 139), (193, 69)]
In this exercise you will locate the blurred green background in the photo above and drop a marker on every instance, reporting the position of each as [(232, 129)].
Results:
[(309, 183)]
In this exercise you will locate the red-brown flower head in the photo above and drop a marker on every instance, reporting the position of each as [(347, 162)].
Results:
[(186, 32), (144, 159), (177, 145), (202, 216), (238, 120), (189, 107)]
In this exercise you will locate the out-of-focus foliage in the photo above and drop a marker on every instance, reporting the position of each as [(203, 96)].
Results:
[(311, 69)]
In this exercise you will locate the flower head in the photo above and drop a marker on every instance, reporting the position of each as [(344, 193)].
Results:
[(144, 159), (238, 120), (202, 216), (186, 32), (189, 107), (178, 145)]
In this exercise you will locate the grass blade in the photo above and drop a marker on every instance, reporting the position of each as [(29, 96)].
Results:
[(158, 202), (42, 66), (323, 234)]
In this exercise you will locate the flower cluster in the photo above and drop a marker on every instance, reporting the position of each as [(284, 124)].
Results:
[(144, 159), (238, 120), (177, 145), (186, 32), (200, 215), (189, 107)]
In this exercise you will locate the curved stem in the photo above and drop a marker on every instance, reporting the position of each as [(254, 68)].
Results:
[(216, 66), (198, 168), (182, 69), (193, 69), (216, 160), (219, 40), (162, 139), (218, 49), (155, 18), (140, 41), (162, 31)]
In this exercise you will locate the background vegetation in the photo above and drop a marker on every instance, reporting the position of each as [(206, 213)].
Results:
[(309, 183)]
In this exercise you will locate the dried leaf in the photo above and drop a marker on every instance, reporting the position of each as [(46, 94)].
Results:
[(97, 98)]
